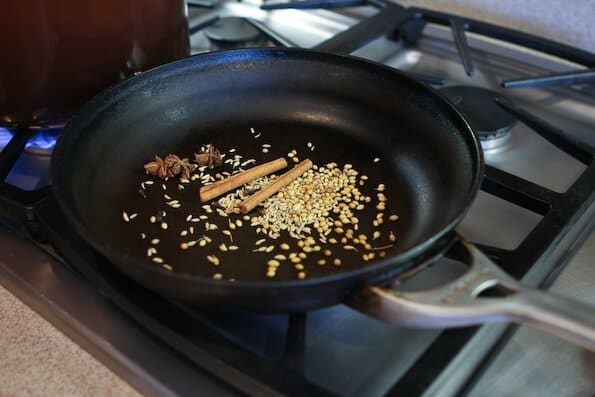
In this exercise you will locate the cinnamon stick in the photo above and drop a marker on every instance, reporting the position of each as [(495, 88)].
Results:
[(267, 191), (218, 188)]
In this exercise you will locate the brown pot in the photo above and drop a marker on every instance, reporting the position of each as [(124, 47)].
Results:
[(56, 54)]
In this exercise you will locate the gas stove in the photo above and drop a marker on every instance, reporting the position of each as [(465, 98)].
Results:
[(530, 101)]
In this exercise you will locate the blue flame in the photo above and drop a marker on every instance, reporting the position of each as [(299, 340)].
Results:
[(43, 139)]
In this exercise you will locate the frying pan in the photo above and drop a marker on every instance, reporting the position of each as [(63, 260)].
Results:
[(352, 111)]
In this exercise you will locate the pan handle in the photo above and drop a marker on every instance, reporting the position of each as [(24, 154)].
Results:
[(459, 304)]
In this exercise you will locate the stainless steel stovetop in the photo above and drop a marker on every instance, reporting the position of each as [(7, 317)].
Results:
[(337, 339)]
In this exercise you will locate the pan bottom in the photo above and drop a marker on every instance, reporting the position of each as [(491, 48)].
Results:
[(321, 145)]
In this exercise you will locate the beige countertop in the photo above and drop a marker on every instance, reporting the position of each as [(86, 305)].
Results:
[(569, 22), (38, 360)]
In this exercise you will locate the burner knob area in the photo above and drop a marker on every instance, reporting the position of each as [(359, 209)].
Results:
[(233, 32), (488, 120)]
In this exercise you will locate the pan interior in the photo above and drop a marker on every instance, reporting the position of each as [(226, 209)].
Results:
[(349, 111)]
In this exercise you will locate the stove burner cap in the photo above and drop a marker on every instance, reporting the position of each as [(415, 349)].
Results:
[(490, 122), (232, 32)]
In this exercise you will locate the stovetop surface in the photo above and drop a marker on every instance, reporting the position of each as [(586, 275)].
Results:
[(346, 352)]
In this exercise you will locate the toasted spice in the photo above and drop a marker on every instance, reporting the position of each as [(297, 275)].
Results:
[(273, 263), (208, 156), (274, 187), (213, 259), (170, 166), (216, 189), (319, 207)]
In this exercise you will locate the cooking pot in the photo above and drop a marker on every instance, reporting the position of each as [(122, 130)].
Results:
[(55, 55)]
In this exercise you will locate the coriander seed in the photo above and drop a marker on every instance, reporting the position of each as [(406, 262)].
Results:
[(273, 263)]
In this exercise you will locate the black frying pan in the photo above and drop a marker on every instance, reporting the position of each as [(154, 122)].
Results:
[(351, 110)]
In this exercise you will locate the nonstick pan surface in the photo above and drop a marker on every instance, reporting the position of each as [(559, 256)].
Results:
[(351, 110)]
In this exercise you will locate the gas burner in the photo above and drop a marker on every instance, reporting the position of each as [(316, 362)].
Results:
[(490, 122), (233, 32), (41, 143)]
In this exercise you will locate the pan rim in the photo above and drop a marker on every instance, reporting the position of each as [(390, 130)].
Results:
[(120, 259)]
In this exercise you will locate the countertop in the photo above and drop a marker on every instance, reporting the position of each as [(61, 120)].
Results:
[(38, 360), (568, 22)]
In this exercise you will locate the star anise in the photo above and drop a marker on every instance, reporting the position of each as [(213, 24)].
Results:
[(176, 165), (170, 166), (209, 157), (157, 167)]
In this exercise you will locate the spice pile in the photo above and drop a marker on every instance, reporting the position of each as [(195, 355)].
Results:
[(319, 207), (310, 202)]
